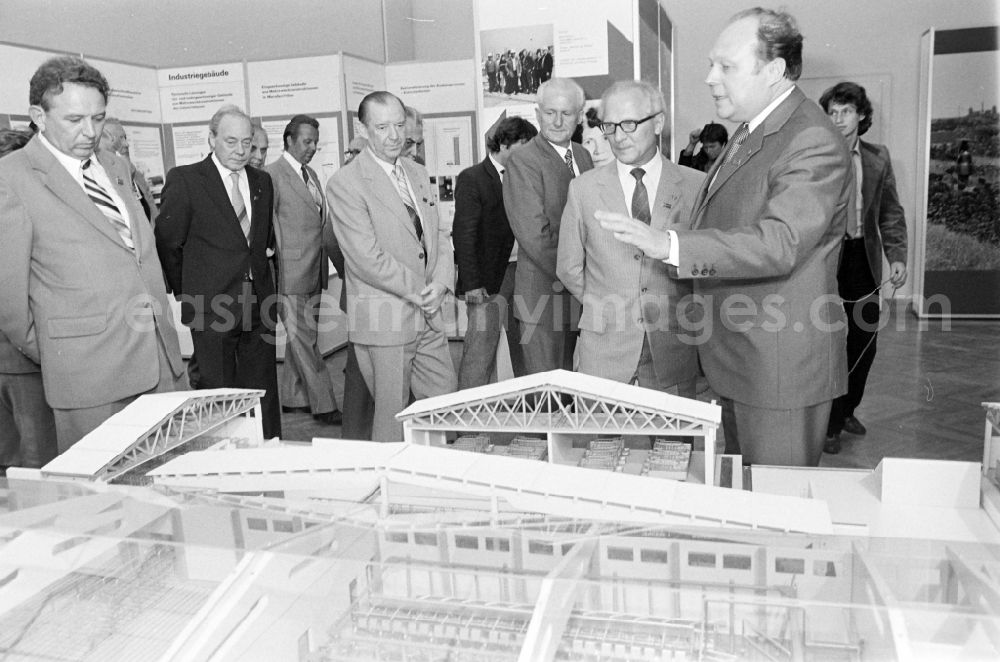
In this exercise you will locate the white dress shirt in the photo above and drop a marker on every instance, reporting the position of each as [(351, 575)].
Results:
[(74, 167), (561, 151), (227, 181), (651, 180)]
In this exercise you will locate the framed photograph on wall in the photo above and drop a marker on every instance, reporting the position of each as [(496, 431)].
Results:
[(958, 241)]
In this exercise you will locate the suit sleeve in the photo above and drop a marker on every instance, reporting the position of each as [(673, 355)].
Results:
[(466, 228), (16, 321), (355, 234), (572, 245), (805, 188), (172, 228), (444, 268), (524, 200), (891, 220)]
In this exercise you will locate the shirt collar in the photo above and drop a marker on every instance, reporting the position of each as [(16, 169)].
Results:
[(857, 147), (653, 168), (497, 165), (385, 165), (757, 121), (292, 161), (561, 151), (71, 163), (225, 172)]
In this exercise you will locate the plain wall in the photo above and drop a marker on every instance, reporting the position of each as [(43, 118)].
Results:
[(841, 39), (177, 33)]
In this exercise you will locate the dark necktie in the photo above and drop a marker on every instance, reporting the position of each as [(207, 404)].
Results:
[(404, 194), (569, 161), (640, 198), (107, 205), (305, 175)]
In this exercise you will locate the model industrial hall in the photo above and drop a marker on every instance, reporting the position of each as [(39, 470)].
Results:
[(499, 330)]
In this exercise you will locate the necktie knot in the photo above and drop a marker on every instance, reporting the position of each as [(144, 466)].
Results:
[(638, 173), (86, 164)]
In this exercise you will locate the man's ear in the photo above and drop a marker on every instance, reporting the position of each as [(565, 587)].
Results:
[(37, 116)]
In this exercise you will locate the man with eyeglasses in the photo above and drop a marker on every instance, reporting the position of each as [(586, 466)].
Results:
[(767, 233), (629, 330), (534, 194)]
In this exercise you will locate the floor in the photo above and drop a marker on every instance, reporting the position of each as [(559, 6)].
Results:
[(923, 396)]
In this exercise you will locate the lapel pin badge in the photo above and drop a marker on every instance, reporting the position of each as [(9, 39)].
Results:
[(120, 182)]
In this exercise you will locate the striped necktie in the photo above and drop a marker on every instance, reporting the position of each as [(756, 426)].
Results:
[(239, 206), (107, 205), (404, 193), (313, 189), (569, 161)]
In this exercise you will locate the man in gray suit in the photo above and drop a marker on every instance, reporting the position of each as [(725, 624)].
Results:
[(399, 267), (83, 290), (534, 194), (763, 251), (629, 329), (303, 271)]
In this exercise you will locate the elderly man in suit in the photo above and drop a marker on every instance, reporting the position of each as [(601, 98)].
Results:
[(212, 235), (763, 251), (485, 255), (115, 139), (83, 291), (258, 147), (398, 265), (875, 224), (629, 329), (534, 193), (303, 271)]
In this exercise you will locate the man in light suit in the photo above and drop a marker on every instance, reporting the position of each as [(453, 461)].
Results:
[(882, 226), (629, 328), (213, 235), (763, 252), (83, 291), (115, 139), (534, 193), (399, 267), (303, 271)]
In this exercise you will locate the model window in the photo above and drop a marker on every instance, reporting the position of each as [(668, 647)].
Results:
[(538, 547), (653, 555), (790, 566), (824, 568), (283, 526), (397, 536), (736, 561), (466, 542), (701, 560), (620, 554), (497, 544), (423, 538), (256, 524)]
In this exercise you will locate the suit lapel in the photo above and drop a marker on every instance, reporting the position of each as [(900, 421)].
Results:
[(295, 180), (872, 166), (215, 189), (771, 124), (425, 203), (66, 188), (258, 206), (668, 195), (385, 191), (609, 189), (122, 183), (493, 177)]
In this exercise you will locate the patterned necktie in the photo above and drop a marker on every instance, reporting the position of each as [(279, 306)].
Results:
[(107, 205), (404, 193), (313, 190), (734, 146), (240, 207), (640, 198), (569, 161)]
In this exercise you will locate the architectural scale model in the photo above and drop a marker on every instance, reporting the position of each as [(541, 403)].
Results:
[(192, 538)]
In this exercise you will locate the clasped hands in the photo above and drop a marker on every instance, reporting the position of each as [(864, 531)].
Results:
[(654, 243), (430, 298)]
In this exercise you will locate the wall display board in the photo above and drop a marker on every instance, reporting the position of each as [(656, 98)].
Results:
[(361, 77), (19, 63), (280, 89), (958, 237)]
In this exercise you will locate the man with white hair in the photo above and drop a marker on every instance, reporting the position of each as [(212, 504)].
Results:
[(534, 193)]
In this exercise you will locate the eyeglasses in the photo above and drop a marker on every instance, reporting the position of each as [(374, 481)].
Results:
[(352, 152), (627, 126)]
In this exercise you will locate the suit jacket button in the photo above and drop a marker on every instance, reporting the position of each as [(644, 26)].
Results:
[(694, 272), (421, 256), (637, 256)]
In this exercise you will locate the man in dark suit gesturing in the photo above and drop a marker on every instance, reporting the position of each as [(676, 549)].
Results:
[(768, 226), (485, 255), (534, 193), (212, 234)]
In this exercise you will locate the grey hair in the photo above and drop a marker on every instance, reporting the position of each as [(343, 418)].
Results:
[(651, 93), (228, 109), (566, 86)]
